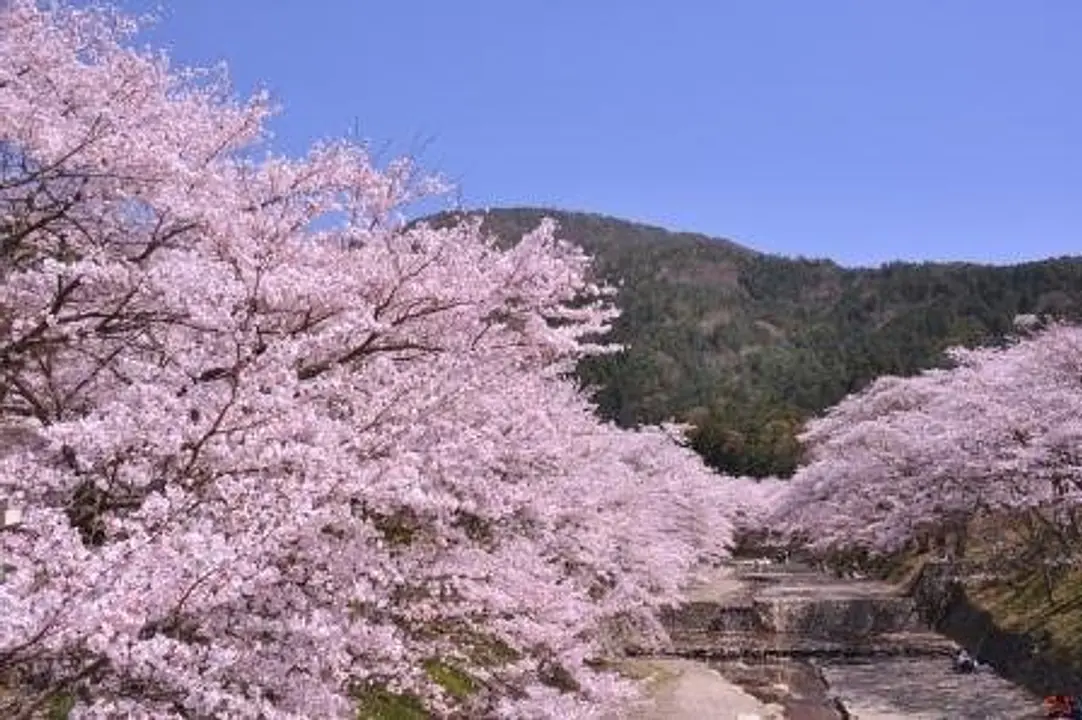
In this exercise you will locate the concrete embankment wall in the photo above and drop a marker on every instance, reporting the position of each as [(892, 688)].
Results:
[(941, 598)]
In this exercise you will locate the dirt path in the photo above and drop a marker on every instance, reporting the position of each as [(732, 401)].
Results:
[(689, 690)]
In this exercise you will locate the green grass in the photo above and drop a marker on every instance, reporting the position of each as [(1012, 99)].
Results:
[(455, 682), (57, 706), (376, 703), (1023, 606), (60, 706), (1023, 599)]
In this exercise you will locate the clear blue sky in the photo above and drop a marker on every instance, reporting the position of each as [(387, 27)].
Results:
[(860, 130)]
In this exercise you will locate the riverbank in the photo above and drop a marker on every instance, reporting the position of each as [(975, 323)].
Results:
[(1029, 630), (681, 689), (807, 644)]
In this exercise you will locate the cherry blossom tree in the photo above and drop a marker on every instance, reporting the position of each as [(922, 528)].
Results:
[(752, 503), (999, 432), (272, 449)]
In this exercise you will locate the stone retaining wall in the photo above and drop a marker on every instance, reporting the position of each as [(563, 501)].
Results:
[(940, 595)]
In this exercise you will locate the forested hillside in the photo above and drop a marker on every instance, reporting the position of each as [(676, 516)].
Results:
[(746, 345)]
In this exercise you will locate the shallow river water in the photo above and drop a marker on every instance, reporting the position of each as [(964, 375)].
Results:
[(881, 689), (824, 647)]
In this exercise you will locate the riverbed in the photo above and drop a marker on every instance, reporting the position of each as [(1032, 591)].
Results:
[(881, 689)]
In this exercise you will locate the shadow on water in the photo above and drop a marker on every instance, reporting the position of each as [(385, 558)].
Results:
[(889, 687), (945, 606), (926, 688)]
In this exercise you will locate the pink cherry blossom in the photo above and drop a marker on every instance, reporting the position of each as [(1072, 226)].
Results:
[(263, 458), (999, 432)]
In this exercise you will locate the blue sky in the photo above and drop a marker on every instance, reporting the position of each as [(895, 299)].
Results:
[(852, 129)]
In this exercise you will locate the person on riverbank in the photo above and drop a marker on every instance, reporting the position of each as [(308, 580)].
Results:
[(964, 662)]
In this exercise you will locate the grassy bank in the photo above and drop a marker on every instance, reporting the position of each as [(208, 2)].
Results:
[(1020, 604)]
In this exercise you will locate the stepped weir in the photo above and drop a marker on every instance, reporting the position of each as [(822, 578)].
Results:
[(817, 647)]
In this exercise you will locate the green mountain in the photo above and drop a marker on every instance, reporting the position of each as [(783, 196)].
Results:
[(746, 345)]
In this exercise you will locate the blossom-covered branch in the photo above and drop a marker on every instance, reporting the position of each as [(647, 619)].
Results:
[(265, 462)]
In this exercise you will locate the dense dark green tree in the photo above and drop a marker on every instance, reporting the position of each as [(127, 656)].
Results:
[(745, 346)]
